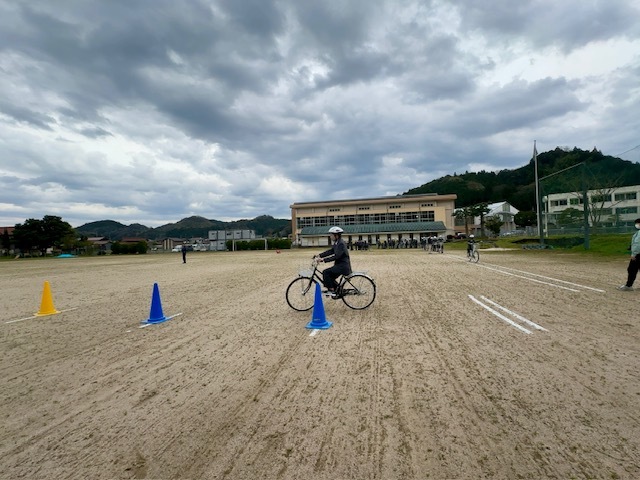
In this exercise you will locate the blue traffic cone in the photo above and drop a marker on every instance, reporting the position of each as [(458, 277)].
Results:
[(318, 319), (156, 315)]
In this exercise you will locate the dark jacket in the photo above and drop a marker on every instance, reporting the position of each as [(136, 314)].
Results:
[(339, 254)]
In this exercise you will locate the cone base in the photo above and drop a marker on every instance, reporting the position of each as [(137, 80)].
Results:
[(44, 314), (319, 325), (156, 320)]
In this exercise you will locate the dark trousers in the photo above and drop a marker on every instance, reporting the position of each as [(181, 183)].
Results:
[(632, 270), (184, 257), (329, 275)]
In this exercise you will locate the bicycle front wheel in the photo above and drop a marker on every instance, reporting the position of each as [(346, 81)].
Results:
[(475, 256), (358, 292), (301, 293)]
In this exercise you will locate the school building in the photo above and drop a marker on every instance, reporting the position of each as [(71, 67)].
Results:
[(373, 220)]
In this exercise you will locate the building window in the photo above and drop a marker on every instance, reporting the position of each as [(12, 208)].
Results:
[(621, 197), (625, 210), (393, 207), (364, 208), (334, 209), (558, 203), (601, 198), (427, 204)]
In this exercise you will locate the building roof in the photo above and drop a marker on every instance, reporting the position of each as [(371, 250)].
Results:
[(394, 198), (373, 228)]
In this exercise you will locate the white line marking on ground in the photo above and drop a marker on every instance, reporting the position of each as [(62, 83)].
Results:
[(499, 315), (527, 278), (556, 280), (36, 316), (519, 276), (313, 332), (514, 314)]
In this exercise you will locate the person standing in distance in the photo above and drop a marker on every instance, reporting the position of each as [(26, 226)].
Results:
[(634, 263), (339, 254), (184, 253)]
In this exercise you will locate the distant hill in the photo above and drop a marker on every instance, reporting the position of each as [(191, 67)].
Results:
[(518, 186), (190, 227)]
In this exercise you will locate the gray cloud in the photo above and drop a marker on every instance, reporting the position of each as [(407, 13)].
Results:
[(154, 111)]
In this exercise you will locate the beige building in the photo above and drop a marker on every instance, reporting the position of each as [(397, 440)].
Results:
[(373, 220)]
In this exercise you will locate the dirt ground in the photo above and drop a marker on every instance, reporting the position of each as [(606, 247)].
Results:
[(426, 383)]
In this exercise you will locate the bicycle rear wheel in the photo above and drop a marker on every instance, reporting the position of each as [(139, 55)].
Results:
[(301, 293), (358, 291)]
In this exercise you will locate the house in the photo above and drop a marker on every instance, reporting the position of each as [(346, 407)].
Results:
[(7, 249), (101, 245), (506, 212)]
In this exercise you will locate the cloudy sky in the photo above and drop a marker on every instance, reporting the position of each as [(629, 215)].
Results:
[(149, 111)]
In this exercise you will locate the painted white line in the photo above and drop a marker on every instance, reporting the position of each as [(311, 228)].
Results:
[(556, 280), (40, 316), (457, 257), (313, 332), (499, 315), (527, 278), (514, 314)]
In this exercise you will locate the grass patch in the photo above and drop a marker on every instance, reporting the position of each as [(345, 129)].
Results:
[(606, 245)]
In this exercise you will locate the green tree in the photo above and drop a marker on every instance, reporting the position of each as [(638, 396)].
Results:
[(494, 224), (42, 234), (27, 235), (570, 217), (464, 214), (480, 210), (54, 232), (526, 219)]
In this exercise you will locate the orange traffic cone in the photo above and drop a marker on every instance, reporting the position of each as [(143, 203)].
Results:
[(46, 306)]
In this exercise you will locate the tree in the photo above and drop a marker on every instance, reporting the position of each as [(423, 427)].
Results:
[(480, 210), (42, 234), (570, 217), (27, 235), (463, 214), (494, 224), (526, 219), (54, 232)]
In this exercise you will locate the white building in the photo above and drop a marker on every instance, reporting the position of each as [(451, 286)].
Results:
[(610, 206), (504, 210)]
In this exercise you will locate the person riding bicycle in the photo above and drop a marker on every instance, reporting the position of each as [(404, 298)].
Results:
[(470, 244), (339, 254)]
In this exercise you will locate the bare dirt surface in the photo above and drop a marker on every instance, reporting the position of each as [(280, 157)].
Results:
[(426, 383)]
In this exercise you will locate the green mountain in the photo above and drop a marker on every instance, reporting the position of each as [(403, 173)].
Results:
[(190, 227), (518, 186)]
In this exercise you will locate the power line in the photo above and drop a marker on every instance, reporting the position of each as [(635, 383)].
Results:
[(631, 149)]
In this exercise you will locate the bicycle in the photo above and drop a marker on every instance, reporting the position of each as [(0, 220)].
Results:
[(357, 290), (473, 255)]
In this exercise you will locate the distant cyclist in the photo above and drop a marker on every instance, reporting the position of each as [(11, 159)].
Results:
[(470, 243), (339, 254)]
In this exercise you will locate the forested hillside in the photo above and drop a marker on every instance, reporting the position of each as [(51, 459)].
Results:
[(190, 227), (518, 186)]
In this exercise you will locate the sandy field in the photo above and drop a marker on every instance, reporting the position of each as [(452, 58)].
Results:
[(523, 366)]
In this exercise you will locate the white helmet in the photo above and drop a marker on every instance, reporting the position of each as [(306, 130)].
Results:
[(471, 236), (336, 230)]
